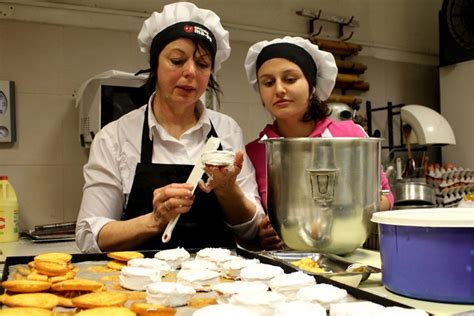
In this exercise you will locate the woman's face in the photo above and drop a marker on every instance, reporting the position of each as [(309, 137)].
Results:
[(183, 72), (283, 88)]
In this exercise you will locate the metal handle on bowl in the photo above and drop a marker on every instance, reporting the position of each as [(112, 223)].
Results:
[(322, 183)]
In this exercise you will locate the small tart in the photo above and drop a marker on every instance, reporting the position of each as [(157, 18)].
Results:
[(53, 256), (100, 299), (107, 311), (22, 270), (26, 286), (200, 302), (39, 300), (116, 265), (152, 309), (15, 311), (51, 268), (36, 276), (125, 255), (78, 285)]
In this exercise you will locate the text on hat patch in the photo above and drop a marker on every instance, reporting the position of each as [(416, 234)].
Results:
[(198, 30)]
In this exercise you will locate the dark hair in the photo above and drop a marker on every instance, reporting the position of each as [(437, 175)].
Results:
[(150, 86), (317, 110)]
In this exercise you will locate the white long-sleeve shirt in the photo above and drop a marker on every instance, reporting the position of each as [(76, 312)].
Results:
[(114, 155)]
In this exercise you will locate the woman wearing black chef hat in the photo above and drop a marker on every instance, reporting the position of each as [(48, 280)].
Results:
[(135, 179)]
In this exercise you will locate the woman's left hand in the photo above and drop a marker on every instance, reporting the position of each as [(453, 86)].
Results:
[(222, 178)]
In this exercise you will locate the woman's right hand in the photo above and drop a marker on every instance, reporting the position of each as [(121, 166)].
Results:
[(171, 200), (269, 240)]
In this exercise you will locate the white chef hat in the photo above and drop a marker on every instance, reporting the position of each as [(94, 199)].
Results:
[(318, 66), (184, 19)]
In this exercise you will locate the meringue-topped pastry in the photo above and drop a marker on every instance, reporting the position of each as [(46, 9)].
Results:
[(263, 303), (217, 255), (260, 272), (150, 263), (200, 280), (289, 284), (169, 294), (199, 264), (299, 308), (174, 257), (207, 253), (227, 289), (356, 309), (321, 293), (136, 278), (218, 158), (224, 309), (231, 269)]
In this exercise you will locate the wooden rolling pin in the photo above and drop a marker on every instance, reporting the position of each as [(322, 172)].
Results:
[(350, 66), (348, 78), (338, 47), (361, 86), (347, 99)]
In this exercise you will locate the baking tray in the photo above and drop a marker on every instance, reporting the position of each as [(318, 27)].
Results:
[(262, 256), (333, 265)]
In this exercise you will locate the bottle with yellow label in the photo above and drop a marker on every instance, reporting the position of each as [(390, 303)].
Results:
[(8, 211)]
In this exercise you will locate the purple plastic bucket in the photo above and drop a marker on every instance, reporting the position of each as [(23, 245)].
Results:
[(428, 253)]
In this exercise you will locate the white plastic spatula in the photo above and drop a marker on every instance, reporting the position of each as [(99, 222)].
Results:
[(194, 177)]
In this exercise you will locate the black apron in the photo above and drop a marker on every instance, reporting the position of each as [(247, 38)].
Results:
[(203, 226)]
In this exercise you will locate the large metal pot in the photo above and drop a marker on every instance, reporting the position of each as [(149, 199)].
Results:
[(322, 191), (414, 194)]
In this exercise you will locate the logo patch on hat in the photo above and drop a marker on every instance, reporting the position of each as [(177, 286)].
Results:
[(189, 28), (198, 31)]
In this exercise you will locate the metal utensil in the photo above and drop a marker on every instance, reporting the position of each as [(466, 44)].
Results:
[(194, 177), (411, 165)]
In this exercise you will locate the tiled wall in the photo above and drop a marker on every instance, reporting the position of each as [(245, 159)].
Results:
[(48, 63)]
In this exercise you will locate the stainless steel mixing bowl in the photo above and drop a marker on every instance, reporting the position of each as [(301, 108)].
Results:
[(322, 191)]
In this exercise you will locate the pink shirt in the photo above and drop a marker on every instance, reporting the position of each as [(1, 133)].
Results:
[(256, 150)]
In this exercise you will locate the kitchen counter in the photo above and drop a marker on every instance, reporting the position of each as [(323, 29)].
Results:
[(374, 285), (25, 247)]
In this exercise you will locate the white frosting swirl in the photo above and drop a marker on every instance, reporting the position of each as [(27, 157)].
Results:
[(218, 158)]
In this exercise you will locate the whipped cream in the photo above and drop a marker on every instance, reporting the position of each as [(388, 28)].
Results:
[(169, 294), (356, 309), (321, 293), (199, 264), (231, 269), (225, 309), (227, 289), (207, 253), (200, 280), (260, 272), (135, 278), (174, 257), (299, 308), (150, 263), (218, 158), (263, 303), (289, 284)]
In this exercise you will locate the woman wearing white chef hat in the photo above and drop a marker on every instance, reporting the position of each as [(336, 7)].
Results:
[(294, 78), (135, 179)]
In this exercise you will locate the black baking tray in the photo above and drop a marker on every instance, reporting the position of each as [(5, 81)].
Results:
[(355, 292)]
